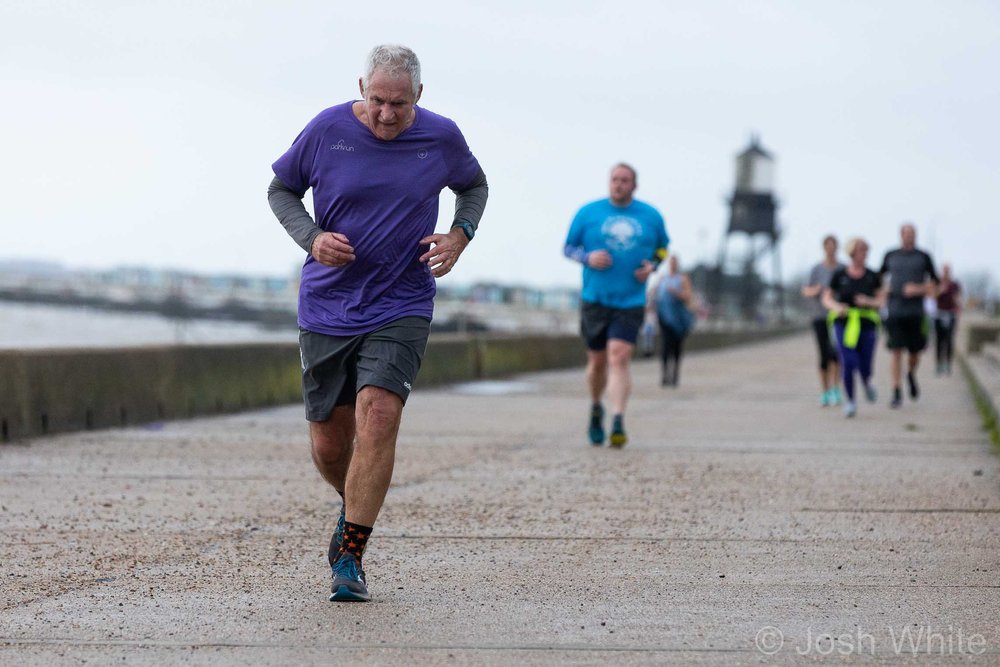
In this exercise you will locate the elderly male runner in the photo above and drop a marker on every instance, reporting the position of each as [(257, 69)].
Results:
[(376, 167), (619, 241), (912, 277)]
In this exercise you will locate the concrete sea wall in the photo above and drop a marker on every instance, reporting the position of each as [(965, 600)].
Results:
[(52, 391)]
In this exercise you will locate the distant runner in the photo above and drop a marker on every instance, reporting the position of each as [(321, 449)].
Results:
[(949, 305), (912, 277), (673, 296), (853, 299), (829, 361), (619, 241)]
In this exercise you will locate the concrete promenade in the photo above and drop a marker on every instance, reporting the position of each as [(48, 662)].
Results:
[(742, 524)]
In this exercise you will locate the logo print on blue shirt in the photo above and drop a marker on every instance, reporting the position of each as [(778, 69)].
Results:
[(621, 232), (341, 146), (422, 153)]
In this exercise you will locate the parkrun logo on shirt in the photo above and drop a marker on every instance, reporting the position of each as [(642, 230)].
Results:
[(341, 146), (621, 232)]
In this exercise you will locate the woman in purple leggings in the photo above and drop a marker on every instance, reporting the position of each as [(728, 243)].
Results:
[(853, 298)]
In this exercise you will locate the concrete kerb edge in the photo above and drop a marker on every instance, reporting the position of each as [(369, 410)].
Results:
[(987, 404)]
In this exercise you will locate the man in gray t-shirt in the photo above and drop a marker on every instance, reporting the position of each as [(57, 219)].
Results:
[(819, 279), (911, 278)]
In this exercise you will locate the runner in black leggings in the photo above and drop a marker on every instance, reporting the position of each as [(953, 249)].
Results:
[(673, 298), (829, 361), (949, 304)]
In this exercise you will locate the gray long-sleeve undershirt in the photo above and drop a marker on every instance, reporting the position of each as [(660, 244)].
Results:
[(470, 202)]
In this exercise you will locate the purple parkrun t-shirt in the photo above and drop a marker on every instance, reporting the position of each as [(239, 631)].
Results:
[(383, 196)]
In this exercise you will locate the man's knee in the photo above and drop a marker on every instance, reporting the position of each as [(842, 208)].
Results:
[(378, 411), (597, 359), (330, 438), (619, 354)]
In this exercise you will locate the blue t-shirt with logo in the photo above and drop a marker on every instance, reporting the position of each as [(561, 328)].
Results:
[(383, 196), (630, 234)]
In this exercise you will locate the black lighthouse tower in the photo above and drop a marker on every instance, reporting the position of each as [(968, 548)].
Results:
[(753, 214)]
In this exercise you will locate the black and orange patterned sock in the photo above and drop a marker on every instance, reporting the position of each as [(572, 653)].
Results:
[(355, 538)]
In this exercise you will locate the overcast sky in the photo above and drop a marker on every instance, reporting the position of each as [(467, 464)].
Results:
[(142, 133)]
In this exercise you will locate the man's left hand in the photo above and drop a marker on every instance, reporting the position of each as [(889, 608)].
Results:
[(642, 273), (445, 252)]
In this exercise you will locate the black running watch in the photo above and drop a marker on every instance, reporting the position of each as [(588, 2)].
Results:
[(467, 229)]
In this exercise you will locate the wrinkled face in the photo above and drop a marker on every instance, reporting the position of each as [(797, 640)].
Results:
[(389, 102), (622, 185), (908, 235)]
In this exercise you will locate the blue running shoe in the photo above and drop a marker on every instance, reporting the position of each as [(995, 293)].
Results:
[(850, 409), (824, 399), (596, 428), (870, 393), (337, 540), (349, 583), (618, 437), (836, 398)]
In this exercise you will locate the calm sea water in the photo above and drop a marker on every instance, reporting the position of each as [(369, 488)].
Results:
[(37, 326)]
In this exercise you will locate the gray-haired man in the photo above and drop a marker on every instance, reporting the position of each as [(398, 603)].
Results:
[(376, 167)]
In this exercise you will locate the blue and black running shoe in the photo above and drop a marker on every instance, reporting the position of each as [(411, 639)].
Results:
[(596, 429), (618, 437), (337, 540), (349, 584)]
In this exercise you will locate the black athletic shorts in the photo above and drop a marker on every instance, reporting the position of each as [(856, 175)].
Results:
[(335, 368), (908, 331), (598, 323)]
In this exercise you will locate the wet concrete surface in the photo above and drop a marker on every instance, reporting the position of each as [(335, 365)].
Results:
[(739, 512)]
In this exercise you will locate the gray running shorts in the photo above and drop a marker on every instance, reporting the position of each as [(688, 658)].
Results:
[(335, 368)]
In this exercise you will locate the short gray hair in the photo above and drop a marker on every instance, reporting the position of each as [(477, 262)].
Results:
[(392, 59)]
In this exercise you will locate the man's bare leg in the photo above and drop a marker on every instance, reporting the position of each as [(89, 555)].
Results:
[(619, 386), (597, 381), (896, 370), (619, 376), (597, 373), (377, 416), (911, 376), (333, 444)]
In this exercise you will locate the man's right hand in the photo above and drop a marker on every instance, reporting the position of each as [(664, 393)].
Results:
[(332, 249), (599, 259)]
